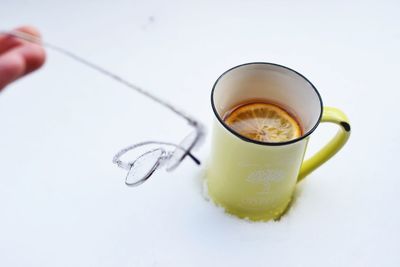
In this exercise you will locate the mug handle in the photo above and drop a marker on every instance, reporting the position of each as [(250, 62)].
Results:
[(336, 116)]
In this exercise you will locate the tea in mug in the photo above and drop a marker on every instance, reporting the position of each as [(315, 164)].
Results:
[(264, 122)]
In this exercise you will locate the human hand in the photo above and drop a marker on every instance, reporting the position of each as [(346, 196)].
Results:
[(18, 57)]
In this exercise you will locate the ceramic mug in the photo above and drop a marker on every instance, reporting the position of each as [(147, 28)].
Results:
[(256, 180)]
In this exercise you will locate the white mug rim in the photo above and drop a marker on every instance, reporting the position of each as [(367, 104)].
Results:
[(312, 129)]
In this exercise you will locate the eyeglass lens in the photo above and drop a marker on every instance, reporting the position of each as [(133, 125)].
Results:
[(144, 166)]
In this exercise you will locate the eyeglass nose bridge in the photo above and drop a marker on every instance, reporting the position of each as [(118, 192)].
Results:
[(164, 158), (125, 165)]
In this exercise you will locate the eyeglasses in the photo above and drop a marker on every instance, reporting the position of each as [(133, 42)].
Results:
[(161, 153), (140, 169)]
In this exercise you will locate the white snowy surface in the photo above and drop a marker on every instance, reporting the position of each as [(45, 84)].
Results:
[(62, 201)]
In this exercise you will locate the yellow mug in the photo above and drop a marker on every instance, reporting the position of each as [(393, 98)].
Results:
[(256, 180)]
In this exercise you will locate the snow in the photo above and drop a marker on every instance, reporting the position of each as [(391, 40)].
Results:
[(63, 202)]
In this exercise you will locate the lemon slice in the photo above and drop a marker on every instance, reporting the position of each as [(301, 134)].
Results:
[(263, 122)]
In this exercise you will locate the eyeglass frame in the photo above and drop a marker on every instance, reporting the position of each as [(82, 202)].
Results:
[(163, 158)]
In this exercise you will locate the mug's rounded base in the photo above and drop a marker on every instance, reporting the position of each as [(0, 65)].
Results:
[(250, 214), (264, 216)]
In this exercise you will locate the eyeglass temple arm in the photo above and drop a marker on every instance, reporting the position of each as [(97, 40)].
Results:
[(200, 135), (31, 38), (196, 160)]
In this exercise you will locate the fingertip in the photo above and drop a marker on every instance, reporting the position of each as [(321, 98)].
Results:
[(34, 54), (8, 42), (35, 57), (18, 57)]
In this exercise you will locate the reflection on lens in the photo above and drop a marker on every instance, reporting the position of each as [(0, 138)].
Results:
[(180, 152), (143, 167)]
